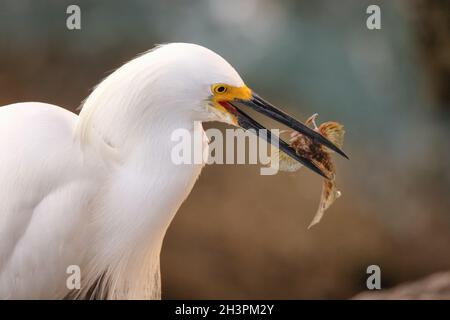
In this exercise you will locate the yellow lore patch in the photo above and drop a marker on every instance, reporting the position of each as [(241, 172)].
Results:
[(224, 92)]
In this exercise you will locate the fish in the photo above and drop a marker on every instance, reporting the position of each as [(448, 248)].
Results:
[(319, 155)]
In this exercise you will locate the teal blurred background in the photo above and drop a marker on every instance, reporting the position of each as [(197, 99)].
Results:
[(242, 235)]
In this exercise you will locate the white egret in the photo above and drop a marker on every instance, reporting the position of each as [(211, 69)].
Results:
[(99, 190)]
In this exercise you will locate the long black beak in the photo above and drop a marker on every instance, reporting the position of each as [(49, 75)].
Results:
[(260, 105)]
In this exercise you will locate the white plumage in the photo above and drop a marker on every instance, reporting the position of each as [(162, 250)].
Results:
[(99, 190)]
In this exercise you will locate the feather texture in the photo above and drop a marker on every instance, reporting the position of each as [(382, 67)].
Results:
[(100, 189)]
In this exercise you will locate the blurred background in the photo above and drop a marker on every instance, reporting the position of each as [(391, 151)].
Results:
[(243, 235)]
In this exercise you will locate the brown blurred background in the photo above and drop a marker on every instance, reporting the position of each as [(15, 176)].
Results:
[(243, 235)]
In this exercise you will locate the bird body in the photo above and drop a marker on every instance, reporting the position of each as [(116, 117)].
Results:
[(99, 190), (43, 191), (82, 190), (76, 205)]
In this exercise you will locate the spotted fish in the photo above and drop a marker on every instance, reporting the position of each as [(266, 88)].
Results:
[(319, 155)]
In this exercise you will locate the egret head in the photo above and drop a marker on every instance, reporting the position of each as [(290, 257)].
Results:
[(197, 79), (213, 89), (182, 80), (220, 94)]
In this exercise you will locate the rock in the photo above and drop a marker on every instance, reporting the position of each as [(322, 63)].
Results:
[(436, 286)]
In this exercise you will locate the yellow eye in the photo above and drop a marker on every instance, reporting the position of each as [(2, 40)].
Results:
[(219, 88)]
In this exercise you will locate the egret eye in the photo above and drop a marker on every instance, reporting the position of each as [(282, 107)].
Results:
[(220, 89)]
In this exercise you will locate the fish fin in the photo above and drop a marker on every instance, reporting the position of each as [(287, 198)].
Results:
[(311, 121), (334, 131), (329, 195), (285, 162)]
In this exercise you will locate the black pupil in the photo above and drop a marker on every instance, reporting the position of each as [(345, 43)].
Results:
[(221, 89)]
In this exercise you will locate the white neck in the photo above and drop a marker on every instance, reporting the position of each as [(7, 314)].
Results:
[(130, 131)]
